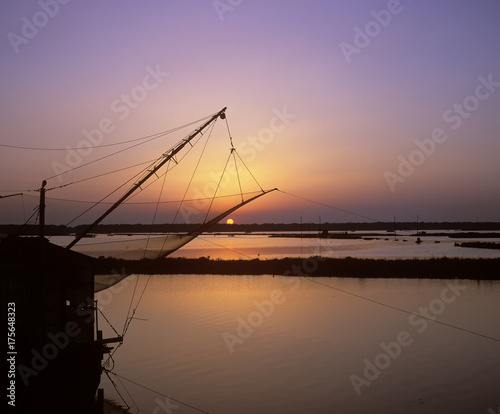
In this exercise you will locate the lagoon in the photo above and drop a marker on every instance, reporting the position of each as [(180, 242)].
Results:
[(264, 344), (253, 246)]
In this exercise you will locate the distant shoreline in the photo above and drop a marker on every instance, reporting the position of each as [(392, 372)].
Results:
[(436, 268), (51, 229)]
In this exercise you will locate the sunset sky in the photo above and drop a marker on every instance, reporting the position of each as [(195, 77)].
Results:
[(380, 108)]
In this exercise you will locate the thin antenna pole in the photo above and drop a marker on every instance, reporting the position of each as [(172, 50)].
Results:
[(42, 209)]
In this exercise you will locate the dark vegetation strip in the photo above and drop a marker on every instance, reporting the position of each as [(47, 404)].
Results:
[(481, 245), (442, 268), (51, 229)]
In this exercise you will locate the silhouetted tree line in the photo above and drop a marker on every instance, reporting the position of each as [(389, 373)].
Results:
[(265, 227), (442, 268)]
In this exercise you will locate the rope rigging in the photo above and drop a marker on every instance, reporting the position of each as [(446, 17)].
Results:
[(107, 372), (147, 139), (152, 168), (150, 171), (159, 393), (189, 183), (330, 206), (156, 211), (101, 175), (158, 135), (132, 309), (130, 315), (102, 158), (232, 155), (402, 310)]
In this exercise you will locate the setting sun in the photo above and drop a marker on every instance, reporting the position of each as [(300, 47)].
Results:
[(230, 221)]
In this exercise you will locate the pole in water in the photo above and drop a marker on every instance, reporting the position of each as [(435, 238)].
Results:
[(395, 234)]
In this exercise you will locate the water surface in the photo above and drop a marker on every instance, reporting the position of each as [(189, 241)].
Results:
[(251, 246), (263, 344)]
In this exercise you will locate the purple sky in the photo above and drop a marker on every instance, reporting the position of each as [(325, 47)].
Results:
[(382, 108)]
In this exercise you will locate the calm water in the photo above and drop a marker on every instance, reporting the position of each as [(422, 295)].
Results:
[(263, 344), (252, 246)]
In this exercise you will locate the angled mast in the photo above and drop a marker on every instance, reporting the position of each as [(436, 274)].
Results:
[(159, 163), (184, 239)]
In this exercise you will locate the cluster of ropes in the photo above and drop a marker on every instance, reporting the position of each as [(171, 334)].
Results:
[(137, 142), (147, 167), (137, 296)]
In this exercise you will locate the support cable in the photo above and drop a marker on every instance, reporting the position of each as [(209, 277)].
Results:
[(189, 183), (156, 211), (109, 323), (148, 139), (157, 165), (233, 151), (143, 202), (159, 393), (137, 305), (330, 206), (402, 310), (250, 172), (104, 198), (116, 388), (130, 395), (105, 145), (30, 217), (101, 158), (128, 318), (217, 188), (169, 168), (102, 175), (229, 133)]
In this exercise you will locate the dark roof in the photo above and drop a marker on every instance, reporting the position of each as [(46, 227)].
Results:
[(32, 252)]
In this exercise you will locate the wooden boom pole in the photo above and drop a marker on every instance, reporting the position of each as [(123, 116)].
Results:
[(159, 163)]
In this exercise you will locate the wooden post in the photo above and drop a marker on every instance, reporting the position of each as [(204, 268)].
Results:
[(100, 401), (42, 209)]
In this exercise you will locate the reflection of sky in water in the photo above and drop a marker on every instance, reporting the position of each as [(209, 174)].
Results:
[(253, 246), (299, 356)]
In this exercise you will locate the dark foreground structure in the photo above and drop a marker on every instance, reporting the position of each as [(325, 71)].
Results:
[(54, 349), (54, 352)]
